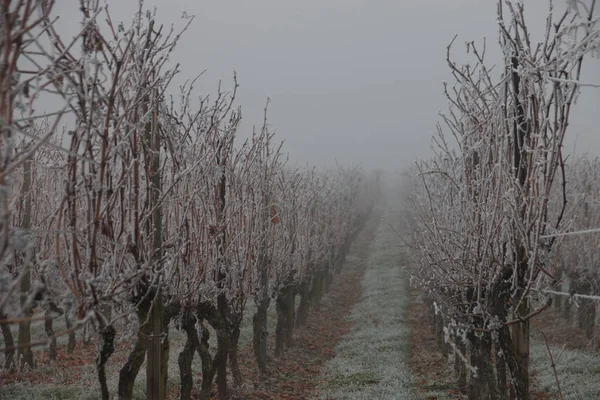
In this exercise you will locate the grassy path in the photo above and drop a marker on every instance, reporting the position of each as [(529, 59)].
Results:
[(372, 360)]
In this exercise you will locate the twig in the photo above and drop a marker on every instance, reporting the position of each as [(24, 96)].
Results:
[(560, 395)]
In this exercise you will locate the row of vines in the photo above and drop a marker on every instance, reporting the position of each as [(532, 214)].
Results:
[(125, 210), (502, 222)]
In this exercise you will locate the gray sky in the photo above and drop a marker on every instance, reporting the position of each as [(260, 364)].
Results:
[(352, 80)]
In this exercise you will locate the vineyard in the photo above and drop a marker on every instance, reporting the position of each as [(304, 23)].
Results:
[(150, 249)]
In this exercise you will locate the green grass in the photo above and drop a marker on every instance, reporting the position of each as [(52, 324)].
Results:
[(371, 361)]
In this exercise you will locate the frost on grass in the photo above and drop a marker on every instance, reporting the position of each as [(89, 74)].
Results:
[(86, 387), (371, 361), (577, 370)]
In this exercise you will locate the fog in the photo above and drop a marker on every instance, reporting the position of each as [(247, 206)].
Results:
[(350, 81)]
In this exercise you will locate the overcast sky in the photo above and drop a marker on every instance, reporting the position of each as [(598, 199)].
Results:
[(352, 80)]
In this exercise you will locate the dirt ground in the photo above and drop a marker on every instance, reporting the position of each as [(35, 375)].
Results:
[(296, 374), (562, 332)]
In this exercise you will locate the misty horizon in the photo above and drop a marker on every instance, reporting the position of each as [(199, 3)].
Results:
[(348, 82)]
